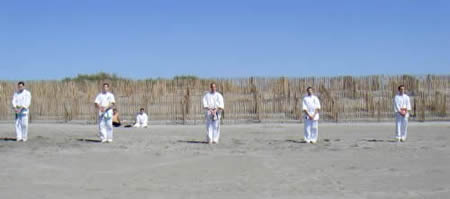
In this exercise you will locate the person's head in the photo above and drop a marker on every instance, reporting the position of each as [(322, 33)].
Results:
[(20, 86), (141, 111), (213, 88), (115, 111), (401, 89), (105, 87), (309, 90)]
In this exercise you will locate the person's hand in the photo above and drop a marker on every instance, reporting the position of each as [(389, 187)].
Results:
[(309, 117), (403, 112)]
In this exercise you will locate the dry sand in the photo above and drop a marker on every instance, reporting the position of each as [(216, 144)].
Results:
[(252, 161)]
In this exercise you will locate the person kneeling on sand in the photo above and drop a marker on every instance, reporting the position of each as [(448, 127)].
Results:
[(141, 119)]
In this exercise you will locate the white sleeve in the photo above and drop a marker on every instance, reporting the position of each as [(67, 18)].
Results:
[(113, 100), (396, 108), (138, 119), (408, 105), (14, 100), (27, 100), (145, 118), (221, 102), (317, 103), (304, 107), (97, 99), (205, 102)]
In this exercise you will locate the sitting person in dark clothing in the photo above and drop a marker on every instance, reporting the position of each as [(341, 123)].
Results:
[(115, 118)]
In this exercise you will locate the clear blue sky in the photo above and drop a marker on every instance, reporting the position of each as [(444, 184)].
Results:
[(233, 38)]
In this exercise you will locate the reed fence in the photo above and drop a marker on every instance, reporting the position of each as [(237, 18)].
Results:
[(254, 99)]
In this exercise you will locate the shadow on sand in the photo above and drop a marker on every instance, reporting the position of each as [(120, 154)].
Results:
[(297, 141), (8, 139), (378, 140), (193, 142), (88, 140)]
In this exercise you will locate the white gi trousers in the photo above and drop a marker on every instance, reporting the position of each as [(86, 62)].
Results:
[(212, 128), (105, 128), (139, 125), (22, 127), (143, 125), (311, 130), (401, 126)]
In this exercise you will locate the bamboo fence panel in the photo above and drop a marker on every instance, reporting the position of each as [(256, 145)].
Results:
[(253, 99)]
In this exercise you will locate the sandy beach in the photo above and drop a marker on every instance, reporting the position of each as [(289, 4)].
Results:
[(251, 161)]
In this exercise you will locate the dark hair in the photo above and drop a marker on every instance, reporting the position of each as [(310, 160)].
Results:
[(309, 87), (21, 83), (105, 84), (401, 86), (212, 84), (142, 109)]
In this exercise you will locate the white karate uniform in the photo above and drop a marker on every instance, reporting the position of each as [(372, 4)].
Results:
[(401, 122), (141, 120), (311, 127), (22, 99), (105, 119), (213, 100)]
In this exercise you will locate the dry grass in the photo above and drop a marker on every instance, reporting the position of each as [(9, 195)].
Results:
[(252, 99)]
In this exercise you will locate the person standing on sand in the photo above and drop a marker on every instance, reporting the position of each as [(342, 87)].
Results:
[(402, 106), (311, 108), (213, 105), (105, 102), (21, 102)]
